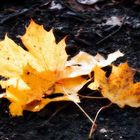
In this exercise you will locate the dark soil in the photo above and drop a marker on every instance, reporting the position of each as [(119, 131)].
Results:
[(85, 28)]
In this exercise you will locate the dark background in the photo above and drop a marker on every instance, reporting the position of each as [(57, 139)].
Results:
[(86, 30)]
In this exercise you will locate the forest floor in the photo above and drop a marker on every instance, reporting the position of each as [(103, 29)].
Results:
[(104, 28)]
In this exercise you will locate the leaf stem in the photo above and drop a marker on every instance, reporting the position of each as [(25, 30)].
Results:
[(90, 97), (93, 127), (79, 107)]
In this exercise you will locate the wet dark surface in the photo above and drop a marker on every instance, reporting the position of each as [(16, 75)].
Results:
[(86, 30)]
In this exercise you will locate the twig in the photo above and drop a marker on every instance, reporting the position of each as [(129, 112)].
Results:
[(90, 97), (111, 34), (44, 4), (94, 126), (21, 12), (136, 70), (53, 115), (18, 13), (82, 41)]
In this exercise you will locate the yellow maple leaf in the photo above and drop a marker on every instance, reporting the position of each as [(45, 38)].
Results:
[(43, 70), (119, 87), (36, 73)]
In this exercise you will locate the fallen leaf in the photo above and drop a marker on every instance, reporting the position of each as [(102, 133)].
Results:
[(113, 21), (119, 87), (43, 70), (85, 62), (34, 74)]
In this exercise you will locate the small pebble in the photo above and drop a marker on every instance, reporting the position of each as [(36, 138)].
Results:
[(55, 5), (88, 2), (101, 119), (103, 130)]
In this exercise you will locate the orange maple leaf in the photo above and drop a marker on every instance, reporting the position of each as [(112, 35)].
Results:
[(119, 87), (43, 70)]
